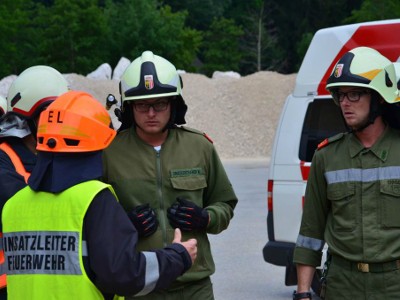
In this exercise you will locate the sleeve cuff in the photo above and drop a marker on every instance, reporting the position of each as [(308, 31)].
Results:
[(213, 218), (307, 257), (186, 259)]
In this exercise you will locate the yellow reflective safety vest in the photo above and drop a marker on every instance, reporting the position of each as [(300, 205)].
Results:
[(43, 243)]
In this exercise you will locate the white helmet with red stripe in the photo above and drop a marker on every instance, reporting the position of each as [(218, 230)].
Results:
[(34, 89)]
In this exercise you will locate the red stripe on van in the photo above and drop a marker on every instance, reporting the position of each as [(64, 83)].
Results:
[(305, 169), (381, 37), (270, 187)]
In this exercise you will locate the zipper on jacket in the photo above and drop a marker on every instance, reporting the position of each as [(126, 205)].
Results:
[(163, 218)]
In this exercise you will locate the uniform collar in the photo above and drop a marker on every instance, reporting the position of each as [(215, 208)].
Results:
[(380, 149), (27, 157)]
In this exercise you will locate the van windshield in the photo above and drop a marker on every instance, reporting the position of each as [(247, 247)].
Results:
[(323, 119)]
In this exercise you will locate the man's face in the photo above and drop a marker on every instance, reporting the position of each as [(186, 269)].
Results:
[(355, 105), (151, 115)]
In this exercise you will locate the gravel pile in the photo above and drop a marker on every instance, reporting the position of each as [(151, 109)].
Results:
[(239, 114)]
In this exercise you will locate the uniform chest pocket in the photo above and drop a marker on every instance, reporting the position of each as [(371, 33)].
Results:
[(190, 187), (390, 203), (343, 205), (189, 183)]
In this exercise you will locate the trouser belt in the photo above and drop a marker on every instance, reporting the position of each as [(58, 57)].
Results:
[(366, 267)]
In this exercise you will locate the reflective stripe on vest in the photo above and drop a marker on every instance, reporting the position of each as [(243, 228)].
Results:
[(18, 165), (43, 252), (43, 243)]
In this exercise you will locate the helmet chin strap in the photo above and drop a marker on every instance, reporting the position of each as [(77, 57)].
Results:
[(375, 110), (362, 127), (33, 127)]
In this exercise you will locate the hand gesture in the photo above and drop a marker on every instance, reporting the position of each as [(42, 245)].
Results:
[(190, 245)]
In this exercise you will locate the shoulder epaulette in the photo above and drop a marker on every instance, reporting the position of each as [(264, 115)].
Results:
[(197, 132), (330, 140)]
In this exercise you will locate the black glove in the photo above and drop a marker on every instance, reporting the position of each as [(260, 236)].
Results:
[(144, 219), (187, 216)]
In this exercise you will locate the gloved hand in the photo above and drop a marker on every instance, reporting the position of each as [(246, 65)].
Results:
[(187, 216), (144, 219)]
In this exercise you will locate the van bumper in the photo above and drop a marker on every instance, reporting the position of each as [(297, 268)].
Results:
[(278, 253), (281, 254)]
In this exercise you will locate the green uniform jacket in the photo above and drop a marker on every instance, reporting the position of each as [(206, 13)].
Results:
[(187, 166), (352, 201)]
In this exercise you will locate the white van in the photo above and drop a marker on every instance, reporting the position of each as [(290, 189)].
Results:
[(308, 117)]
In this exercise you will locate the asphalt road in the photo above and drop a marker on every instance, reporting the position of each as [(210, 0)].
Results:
[(241, 272)]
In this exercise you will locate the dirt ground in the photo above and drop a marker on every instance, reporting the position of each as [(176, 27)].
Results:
[(239, 114)]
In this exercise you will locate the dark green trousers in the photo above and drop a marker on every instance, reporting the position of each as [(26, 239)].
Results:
[(199, 290), (345, 281)]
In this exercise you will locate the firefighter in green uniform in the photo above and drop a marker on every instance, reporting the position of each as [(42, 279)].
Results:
[(352, 199), (167, 176)]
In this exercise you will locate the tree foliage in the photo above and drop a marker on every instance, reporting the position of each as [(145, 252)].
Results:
[(136, 26), (75, 39), (221, 46), (201, 12), (258, 44), (17, 35), (372, 10), (196, 35)]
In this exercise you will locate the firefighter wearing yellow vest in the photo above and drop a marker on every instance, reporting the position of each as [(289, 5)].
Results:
[(352, 199), (65, 234), (28, 95)]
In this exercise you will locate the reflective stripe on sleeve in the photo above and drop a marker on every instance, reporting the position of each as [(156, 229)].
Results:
[(84, 249), (363, 175), (152, 273), (310, 243)]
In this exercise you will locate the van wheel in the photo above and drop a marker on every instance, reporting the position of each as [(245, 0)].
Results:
[(316, 282)]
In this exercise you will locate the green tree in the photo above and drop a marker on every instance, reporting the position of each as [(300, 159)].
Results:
[(294, 21), (221, 46), (76, 39), (201, 12), (258, 44), (78, 35), (185, 44), (142, 25), (17, 36), (373, 10)]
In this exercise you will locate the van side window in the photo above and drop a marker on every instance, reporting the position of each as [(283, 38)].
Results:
[(323, 119)]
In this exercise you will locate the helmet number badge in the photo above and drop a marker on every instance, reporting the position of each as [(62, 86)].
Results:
[(338, 70), (148, 82)]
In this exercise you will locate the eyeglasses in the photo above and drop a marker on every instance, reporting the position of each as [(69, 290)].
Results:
[(352, 96), (157, 106)]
